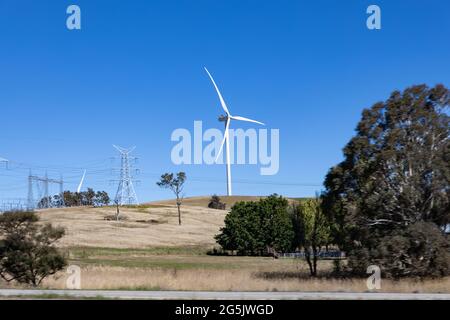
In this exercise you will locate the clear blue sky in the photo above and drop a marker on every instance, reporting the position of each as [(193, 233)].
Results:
[(134, 73)]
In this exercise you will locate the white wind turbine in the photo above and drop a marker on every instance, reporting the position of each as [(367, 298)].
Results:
[(227, 119), (81, 182)]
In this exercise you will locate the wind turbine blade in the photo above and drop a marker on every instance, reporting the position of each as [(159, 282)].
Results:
[(225, 136), (81, 182), (222, 101), (246, 119)]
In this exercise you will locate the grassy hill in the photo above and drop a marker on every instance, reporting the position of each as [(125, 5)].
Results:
[(148, 225), (203, 201), (152, 225)]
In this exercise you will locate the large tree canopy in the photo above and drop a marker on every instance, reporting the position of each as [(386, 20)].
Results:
[(256, 227), (396, 173), (27, 251), (311, 229)]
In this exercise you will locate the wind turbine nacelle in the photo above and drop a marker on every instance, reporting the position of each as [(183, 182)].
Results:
[(223, 118)]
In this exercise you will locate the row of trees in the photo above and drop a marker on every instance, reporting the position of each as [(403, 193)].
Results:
[(75, 199), (273, 224)]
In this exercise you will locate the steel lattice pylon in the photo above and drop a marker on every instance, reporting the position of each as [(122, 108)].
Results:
[(125, 191), (44, 199)]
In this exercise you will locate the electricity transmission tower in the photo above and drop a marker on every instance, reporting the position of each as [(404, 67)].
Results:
[(43, 201), (125, 191)]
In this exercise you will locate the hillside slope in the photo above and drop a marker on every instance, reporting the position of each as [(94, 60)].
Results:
[(203, 201), (153, 225)]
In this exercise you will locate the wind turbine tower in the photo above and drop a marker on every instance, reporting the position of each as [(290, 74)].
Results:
[(125, 191)]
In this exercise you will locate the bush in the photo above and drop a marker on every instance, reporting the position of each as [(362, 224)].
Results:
[(253, 228), (27, 254), (215, 203)]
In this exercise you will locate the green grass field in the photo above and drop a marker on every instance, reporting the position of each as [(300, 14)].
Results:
[(193, 257)]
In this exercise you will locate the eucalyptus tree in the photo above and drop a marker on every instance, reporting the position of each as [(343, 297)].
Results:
[(176, 185), (394, 181)]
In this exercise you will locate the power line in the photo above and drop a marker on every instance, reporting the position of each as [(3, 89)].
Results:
[(99, 173), (15, 165), (44, 201)]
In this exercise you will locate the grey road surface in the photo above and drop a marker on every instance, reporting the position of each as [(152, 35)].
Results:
[(192, 295)]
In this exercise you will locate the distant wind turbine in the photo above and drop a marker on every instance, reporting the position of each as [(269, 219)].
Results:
[(227, 119), (5, 161), (81, 182)]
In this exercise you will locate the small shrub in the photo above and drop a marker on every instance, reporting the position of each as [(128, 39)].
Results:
[(217, 252), (215, 203), (114, 217)]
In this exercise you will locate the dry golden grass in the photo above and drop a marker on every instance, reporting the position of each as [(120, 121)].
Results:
[(152, 269), (96, 277), (144, 227), (203, 201)]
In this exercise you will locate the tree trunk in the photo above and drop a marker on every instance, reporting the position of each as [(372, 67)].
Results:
[(308, 260), (179, 215), (314, 262), (179, 211), (118, 211)]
